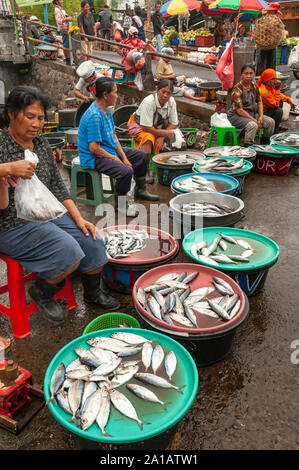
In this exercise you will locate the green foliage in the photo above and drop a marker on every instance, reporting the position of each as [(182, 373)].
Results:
[(72, 8)]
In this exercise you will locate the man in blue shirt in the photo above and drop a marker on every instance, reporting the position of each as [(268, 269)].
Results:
[(99, 147)]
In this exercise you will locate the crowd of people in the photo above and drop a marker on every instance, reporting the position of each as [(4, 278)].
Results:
[(56, 248)]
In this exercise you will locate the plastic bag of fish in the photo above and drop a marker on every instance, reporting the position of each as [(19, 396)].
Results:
[(171, 299), (88, 386), (221, 165), (209, 254), (196, 183), (122, 243)]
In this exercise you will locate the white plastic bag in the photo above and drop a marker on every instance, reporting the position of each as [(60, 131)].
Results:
[(33, 200), (178, 139), (294, 56), (138, 81), (286, 108), (220, 120)]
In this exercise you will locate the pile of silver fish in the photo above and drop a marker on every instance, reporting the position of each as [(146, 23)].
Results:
[(171, 299), (289, 139), (221, 165), (122, 243), (183, 159), (196, 183), (209, 254), (270, 149), (206, 209), (235, 151), (88, 385)]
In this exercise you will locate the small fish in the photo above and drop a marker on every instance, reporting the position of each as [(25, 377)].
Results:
[(106, 368), (125, 407), (141, 296), (56, 381), (208, 260), (170, 364), (78, 374), (104, 412), (130, 338), (89, 389), (247, 253), (190, 278), (121, 379), (223, 283), (102, 354), (109, 344), (91, 409), (219, 310), (167, 277), (235, 309), (180, 319), (146, 394), (190, 315), (244, 244), (157, 381), (154, 307), (75, 394), (157, 357), (223, 259), (239, 258), (130, 351), (228, 239), (62, 400), (147, 351)]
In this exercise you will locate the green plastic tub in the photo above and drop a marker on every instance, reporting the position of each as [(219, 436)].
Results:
[(125, 433), (250, 276), (111, 320)]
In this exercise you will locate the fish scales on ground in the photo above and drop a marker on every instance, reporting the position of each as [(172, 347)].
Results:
[(122, 243)]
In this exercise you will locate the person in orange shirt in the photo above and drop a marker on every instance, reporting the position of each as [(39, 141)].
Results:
[(272, 97)]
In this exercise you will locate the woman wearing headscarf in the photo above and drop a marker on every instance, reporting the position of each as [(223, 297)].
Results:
[(272, 97)]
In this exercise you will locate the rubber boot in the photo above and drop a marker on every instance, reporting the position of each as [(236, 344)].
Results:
[(93, 294), (149, 179), (141, 191), (42, 293), (125, 205)]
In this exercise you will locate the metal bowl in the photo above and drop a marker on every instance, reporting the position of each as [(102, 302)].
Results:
[(161, 159), (71, 136), (235, 204)]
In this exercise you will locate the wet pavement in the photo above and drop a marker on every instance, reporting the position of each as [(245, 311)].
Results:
[(248, 400)]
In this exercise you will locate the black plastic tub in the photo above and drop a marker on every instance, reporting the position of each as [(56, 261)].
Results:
[(206, 349), (67, 117), (159, 442)]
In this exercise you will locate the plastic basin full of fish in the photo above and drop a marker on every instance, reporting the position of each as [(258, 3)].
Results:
[(274, 159), (131, 250), (231, 151), (291, 139), (197, 210), (202, 182), (244, 255), (120, 386), (188, 298), (236, 167), (172, 164)]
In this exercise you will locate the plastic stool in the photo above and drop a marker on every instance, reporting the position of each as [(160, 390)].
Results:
[(19, 311), (97, 187), (223, 134)]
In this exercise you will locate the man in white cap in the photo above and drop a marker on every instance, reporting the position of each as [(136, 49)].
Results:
[(87, 73)]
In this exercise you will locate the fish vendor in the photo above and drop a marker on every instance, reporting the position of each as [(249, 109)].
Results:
[(100, 148), (272, 97), (87, 75), (52, 249), (155, 119), (164, 71), (246, 111)]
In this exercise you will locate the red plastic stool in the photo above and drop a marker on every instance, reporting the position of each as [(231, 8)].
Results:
[(19, 311)]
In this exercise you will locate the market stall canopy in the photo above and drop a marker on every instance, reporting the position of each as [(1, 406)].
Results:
[(178, 7), (244, 6)]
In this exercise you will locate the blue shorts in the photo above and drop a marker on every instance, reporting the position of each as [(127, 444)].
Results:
[(51, 248), (65, 40)]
